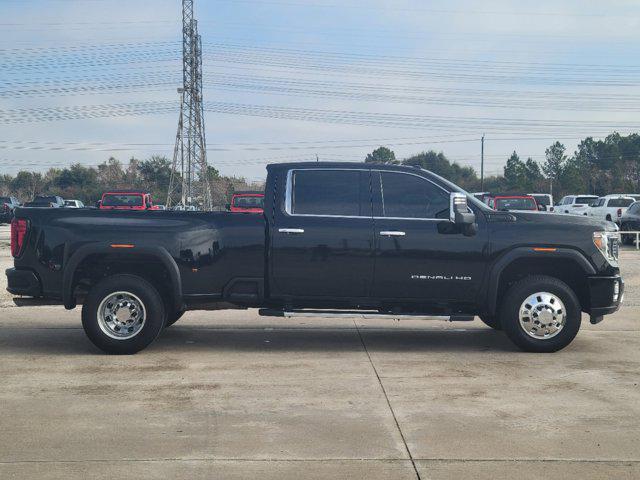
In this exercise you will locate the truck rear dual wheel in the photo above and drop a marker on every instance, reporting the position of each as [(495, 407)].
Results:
[(540, 314), (123, 314)]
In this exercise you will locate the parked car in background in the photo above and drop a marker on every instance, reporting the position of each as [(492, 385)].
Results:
[(507, 203), (575, 204), (46, 201), (7, 205), (544, 201), (247, 202), (630, 222), (126, 200), (609, 207), (73, 204), (185, 208)]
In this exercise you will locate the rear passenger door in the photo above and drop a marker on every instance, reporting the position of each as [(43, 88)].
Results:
[(322, 237)]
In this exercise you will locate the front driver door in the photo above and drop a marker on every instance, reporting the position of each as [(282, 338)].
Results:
[(420, 255)]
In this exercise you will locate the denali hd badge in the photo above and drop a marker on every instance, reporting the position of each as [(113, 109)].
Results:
[(441, 277)]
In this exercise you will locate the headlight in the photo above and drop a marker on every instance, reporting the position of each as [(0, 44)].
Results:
[(608, 244)]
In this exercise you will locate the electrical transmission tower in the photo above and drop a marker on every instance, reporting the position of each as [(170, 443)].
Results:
[(189, 183)]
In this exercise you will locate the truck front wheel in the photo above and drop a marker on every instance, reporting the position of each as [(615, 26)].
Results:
[(123, 314), (540, 314)]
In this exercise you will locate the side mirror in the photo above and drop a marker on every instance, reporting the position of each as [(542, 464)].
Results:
[(461, 215)]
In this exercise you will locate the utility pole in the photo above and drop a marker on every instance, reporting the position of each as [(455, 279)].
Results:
[(190, 152), (482, 163)]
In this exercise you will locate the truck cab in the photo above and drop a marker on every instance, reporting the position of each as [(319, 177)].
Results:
[(126, 200)]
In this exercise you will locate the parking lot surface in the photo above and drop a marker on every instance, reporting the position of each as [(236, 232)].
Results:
[(231, 395)]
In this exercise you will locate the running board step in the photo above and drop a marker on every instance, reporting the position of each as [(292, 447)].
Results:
[(372, 314)]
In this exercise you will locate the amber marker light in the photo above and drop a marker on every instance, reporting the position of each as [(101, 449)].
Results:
[(122, 245)]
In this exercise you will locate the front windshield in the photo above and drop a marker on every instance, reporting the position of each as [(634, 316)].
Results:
[(516, 204), (122, 200)]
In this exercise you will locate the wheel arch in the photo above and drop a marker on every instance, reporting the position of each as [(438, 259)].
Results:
[(565, 264), (158, 256)]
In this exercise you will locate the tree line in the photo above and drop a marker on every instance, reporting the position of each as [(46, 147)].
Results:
[(88, 183), (597, 167)]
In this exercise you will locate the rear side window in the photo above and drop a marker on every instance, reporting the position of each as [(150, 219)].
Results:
[(585, 200), (409, 196), (328, 192), (620, 202)]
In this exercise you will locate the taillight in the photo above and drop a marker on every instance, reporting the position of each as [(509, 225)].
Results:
[(19, 227)]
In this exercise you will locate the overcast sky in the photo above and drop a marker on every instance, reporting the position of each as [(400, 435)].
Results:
[(291, 79)]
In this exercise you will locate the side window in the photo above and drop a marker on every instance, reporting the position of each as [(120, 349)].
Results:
[(409, 196), (328, 192)]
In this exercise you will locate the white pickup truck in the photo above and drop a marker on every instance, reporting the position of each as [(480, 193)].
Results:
[(610, 207), (575, 204)]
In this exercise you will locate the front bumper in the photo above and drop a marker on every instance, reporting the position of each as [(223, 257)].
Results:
[(23, 282), (606, 294)]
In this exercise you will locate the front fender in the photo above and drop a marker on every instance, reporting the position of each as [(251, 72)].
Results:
[(528, 252)]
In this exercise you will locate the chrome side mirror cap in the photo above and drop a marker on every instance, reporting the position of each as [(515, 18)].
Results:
[(460, 214)]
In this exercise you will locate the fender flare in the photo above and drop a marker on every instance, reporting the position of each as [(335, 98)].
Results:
[(83, 252), (527, 252)]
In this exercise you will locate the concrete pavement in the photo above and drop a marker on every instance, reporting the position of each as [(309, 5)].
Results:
[(232, 395)]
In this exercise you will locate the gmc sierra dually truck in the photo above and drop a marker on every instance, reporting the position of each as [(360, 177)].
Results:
[(334, 239)]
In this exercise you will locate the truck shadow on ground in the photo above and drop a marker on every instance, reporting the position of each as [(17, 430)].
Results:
[(72, 341)]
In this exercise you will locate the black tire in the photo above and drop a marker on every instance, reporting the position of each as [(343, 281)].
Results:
[(150, 300), (518, 293), (492, 321), (173, 318)]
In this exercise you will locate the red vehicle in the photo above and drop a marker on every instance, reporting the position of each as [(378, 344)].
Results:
[(126, 200), (247, 202), (512, 202)]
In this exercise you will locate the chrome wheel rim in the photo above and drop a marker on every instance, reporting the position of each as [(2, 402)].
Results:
[(542, 315), (121, 315)]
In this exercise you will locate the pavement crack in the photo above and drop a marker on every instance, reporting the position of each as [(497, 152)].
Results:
[(384, 391)]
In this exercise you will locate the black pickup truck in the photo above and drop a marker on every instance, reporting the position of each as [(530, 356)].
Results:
[(334, 239)]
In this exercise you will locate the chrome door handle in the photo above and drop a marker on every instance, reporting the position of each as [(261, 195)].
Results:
[(291, 231), (392, 233)]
